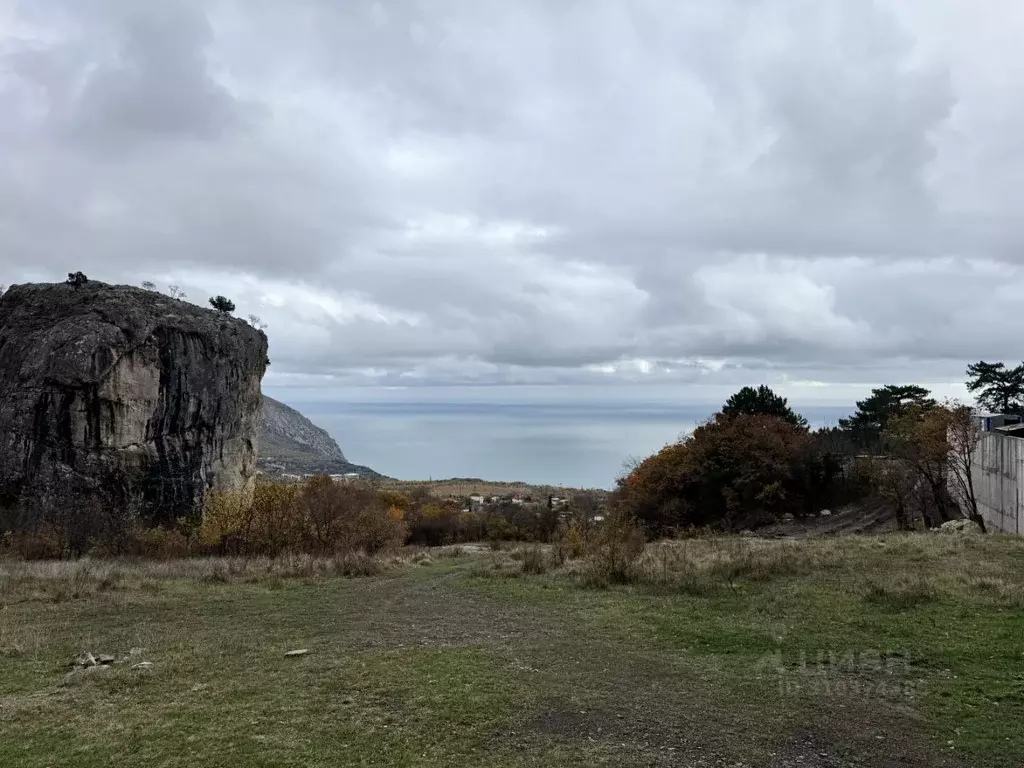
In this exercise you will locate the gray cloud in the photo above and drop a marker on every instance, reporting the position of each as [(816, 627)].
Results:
[(535, 192)]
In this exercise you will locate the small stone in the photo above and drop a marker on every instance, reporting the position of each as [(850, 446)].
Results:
[(86, 660), (105, 658), (143, 665), (297, 652), (825, 513)]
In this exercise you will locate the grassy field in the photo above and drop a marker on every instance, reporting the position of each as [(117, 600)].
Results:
[(895, 651)]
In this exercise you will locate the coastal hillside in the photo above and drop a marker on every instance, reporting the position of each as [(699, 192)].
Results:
[(292, 444)]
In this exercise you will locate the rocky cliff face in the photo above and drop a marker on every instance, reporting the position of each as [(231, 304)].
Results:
[(292, 444), (285, 428), (101, 382)]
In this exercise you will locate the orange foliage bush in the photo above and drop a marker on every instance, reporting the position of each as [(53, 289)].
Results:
[(319, 516), (731, 472)]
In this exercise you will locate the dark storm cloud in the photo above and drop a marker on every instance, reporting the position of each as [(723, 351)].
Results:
[(539, 191)]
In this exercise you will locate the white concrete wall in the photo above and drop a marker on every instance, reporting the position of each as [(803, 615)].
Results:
[(998, 477)]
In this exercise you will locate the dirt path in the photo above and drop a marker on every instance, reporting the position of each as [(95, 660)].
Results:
[(852, 519)]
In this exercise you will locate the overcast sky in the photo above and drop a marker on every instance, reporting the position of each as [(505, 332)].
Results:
[(815, 194)]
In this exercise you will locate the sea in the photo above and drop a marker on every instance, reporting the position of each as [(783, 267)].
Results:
[(576, 444)]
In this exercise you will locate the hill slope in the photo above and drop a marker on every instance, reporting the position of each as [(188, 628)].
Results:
[(289, 442)]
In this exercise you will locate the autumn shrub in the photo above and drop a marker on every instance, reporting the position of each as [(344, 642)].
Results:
[(162, 543), (535, 560), (345, 517), (268, 522), (44, 543), (732, 472), (569, 542), (433, 522), (71, 520), (613, 548), (318, 516)]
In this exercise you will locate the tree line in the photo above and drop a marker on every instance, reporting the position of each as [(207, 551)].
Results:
[(754, 462), (757, 461)]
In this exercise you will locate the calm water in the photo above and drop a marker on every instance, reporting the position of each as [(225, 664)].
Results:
[(581, 445)]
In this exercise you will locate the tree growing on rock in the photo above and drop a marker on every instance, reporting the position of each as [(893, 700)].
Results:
[(77, 279), (764, 402), (222, 304), (175, 292), (147, 285)]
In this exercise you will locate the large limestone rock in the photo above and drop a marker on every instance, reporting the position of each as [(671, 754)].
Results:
[(101, 382)]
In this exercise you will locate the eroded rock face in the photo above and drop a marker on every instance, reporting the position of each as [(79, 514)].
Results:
[(287, 429), (104, 381)]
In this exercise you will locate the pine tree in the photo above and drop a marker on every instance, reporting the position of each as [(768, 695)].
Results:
[(222, 304), (886, 403), (998, 388), (764, 402)]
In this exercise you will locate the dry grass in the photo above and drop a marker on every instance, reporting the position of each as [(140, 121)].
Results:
[(900, 570), (61, 580), (426, 665)]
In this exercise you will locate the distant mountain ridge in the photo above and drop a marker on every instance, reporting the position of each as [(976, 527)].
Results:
[(292, 444)]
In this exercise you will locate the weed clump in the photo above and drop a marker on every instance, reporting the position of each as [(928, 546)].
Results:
[(612, 550), (901, 597)]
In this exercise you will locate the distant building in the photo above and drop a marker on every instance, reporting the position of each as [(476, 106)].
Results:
[(990, 421)]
